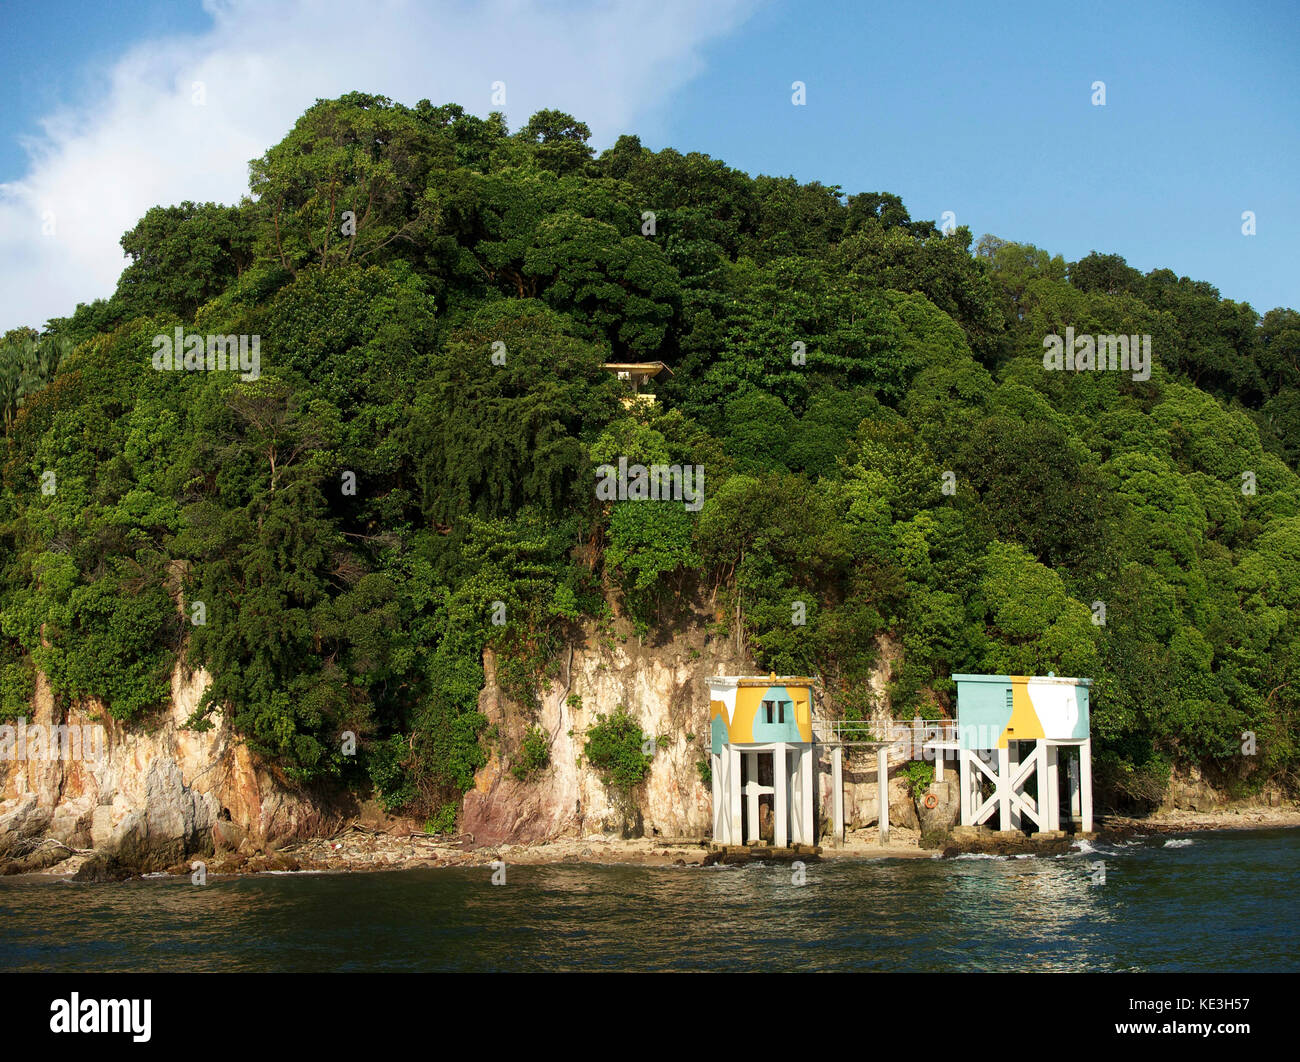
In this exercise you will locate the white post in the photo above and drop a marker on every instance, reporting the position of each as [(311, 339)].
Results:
[(1049, 789), (780, 798), (1085, 784), (1072, 770), (795, 791), (808, 832), (938, 764), (733, 803), (751, 791), (963, 775), (715, 764), (1004, 789), (882, 787), (1013, 764), (837, 792)]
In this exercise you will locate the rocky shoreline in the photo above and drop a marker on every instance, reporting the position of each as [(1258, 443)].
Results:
[(360, 848)]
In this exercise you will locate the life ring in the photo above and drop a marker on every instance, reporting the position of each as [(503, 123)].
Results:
[(931, 801)]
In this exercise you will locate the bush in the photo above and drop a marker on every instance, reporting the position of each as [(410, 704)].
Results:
[(919, 776), (384, 764), (534, 754), (614, 748), (444, 821)]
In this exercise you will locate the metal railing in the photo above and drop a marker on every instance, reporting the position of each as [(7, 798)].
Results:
[(864, 732)]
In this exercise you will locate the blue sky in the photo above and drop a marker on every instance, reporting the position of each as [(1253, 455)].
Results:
[(981, 109)]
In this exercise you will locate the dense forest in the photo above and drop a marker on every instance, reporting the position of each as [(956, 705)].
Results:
[(410, 476)]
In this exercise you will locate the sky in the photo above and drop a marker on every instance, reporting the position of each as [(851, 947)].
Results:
[(985, 110)]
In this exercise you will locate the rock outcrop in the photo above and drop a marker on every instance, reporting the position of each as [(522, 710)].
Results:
[(152, 796)]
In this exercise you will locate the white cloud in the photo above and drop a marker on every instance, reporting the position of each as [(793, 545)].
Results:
[(97, 168)]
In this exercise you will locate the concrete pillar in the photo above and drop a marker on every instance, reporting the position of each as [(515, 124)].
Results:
[(751, 792), (964, 780), (837, 793), (1072, 770), (1085, 785), (1049, 789), (882, 788), (715, 771), (807, 831), (938, 764), (1004, 789), (1013, 765), (780, 798), (795, 791), (733, 800)]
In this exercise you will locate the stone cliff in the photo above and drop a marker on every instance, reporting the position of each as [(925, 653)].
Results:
[(154, 794)]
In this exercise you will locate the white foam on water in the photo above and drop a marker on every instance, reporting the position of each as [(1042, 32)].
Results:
[(1179, 842)]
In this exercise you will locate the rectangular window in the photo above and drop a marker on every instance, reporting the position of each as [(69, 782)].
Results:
[(767, 711)]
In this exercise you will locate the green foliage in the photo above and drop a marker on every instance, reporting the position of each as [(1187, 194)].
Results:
[(444, 821), (613, 747), (919, 775), (534, 754)]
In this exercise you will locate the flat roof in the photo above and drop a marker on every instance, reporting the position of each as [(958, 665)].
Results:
[(649, 368), (763, 680), (1002, 680)]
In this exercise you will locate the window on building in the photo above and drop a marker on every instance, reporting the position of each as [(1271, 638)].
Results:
[(767, 711)]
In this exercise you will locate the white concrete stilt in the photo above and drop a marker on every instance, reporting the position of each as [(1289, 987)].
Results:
[(837, 793), (1049, 788), (1085, 785), (719, 807), (734, 834), (807, 831), (780, 798), (1004, 789), (964, 784), (792, 767), (1072, 770), (1013, 766), (882, 787), (751, 794)]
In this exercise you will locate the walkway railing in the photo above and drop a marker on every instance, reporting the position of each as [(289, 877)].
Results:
[(864, 732)]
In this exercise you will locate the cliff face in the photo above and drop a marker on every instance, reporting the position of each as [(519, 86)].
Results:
[(151, 797), (664, 688)]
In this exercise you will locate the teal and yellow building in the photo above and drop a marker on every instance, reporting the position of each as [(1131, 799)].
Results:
[(762, 746)]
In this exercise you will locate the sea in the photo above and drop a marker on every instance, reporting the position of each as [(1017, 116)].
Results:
[(1211, 901)]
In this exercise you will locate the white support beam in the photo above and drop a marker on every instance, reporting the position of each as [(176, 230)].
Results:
[(809, 830), (965, 780), (734, 834), (1049, 787), (719, 806), (1013, 768), (882, 784), (751, 792), (1085, 785), (1003, 791), (780, 798), (837, 793), (1072, 770)]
